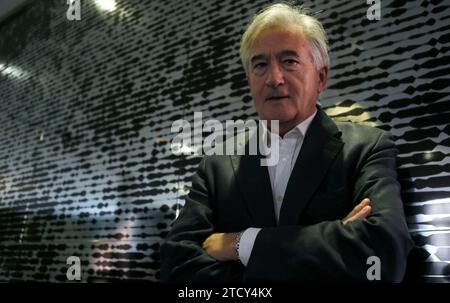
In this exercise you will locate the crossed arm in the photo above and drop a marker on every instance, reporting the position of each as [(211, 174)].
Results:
[(326, 251), (222, 246)]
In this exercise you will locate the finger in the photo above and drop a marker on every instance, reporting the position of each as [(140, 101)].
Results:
[(358, 208), (361, 205), (365, 212), (362, 214)]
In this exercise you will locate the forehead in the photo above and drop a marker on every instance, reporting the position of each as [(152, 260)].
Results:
[(276, 40)]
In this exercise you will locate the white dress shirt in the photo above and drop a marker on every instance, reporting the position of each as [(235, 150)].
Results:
[(289, 148)]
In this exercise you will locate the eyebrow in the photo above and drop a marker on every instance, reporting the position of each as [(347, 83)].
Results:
[(258, 57), (288, 53), (284, 53)]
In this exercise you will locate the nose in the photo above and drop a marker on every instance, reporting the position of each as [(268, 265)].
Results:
[(275, 76)]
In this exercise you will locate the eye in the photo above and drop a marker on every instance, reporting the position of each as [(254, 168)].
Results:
[(259, 68), (290, 62), (259, 65)]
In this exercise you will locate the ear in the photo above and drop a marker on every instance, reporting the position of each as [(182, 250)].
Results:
[(323, 79)]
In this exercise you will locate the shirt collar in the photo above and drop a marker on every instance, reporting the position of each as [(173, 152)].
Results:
[(302, 126)]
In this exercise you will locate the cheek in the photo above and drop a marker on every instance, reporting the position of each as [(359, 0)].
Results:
[(304, 86), (256, 89)]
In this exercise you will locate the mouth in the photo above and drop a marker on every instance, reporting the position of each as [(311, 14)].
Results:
[(276, 98)]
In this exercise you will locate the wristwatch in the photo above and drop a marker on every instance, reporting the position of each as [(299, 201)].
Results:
[(237, 243)]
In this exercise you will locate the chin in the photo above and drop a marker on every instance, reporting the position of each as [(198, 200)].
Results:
[(282, 116)]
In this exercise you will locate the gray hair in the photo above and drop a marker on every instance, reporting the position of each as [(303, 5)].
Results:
[(287, 16)]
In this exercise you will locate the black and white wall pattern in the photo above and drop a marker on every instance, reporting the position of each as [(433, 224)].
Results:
[(86, 109)]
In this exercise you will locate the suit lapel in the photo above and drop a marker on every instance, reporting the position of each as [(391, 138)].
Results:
[(320, 147), (254, 182)]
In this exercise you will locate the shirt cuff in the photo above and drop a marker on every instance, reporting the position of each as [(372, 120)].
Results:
[(246, 244)]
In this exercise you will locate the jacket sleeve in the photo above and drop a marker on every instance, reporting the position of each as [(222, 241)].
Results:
[(182, 256), (331, 251)]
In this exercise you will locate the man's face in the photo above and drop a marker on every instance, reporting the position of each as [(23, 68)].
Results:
[(283, 80)]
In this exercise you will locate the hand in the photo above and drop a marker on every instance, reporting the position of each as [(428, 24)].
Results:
[(221, 246), (361, 211)]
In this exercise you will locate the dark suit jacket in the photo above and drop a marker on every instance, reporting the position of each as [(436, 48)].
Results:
[(339, 165)]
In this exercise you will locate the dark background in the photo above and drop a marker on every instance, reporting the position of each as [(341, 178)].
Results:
[(86, 109)]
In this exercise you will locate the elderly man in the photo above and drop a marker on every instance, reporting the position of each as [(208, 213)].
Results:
[(331, 203)]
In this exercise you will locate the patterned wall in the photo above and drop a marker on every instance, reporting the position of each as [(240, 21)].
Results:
[(86, 109)]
